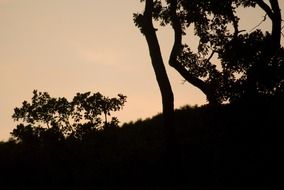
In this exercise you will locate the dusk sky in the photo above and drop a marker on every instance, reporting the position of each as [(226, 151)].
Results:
[(69, 46)]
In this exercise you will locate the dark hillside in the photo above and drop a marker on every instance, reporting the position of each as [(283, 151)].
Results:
[(225, 147)]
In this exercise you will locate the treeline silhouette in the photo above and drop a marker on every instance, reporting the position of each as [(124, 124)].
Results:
[(219, 147)]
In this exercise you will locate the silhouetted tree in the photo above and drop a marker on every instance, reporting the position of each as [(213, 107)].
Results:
[(250, 62), (47, 118), (145, 23)]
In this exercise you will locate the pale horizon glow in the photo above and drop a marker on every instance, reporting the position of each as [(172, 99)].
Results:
[(69, 46)]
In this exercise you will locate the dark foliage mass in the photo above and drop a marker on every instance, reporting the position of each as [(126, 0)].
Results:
[(225, 147), (58, 119), (249, 63)]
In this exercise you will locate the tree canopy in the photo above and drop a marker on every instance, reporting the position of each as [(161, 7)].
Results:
[(58, 118), (249, 63)]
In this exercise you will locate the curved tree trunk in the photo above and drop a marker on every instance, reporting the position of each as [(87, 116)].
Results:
[(274, 13), (176, 49)]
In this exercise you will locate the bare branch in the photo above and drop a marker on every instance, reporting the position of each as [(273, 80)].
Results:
[(211, 55), (264, 19)]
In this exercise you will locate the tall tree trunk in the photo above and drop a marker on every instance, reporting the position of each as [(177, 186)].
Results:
[(171, 156), (149, 32)]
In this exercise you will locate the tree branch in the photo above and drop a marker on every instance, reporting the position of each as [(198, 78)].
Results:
[(274, 14), (235, 21), (177, 48), (264, 18), (265, 7), (276, 24), (211, 55)]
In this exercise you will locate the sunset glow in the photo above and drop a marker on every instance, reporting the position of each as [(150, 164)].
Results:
[(69, 46)]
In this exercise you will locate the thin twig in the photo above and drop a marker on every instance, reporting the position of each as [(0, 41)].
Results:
[(264, 18)]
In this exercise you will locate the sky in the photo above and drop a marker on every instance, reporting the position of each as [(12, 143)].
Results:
[(69, 46)]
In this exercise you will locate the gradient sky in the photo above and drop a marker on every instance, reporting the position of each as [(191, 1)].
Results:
[(69, 46)]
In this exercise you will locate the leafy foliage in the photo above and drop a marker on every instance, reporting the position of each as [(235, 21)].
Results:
[(57, 118), (249, 63)]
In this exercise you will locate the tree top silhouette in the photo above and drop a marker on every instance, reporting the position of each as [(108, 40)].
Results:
[(85, 113)]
